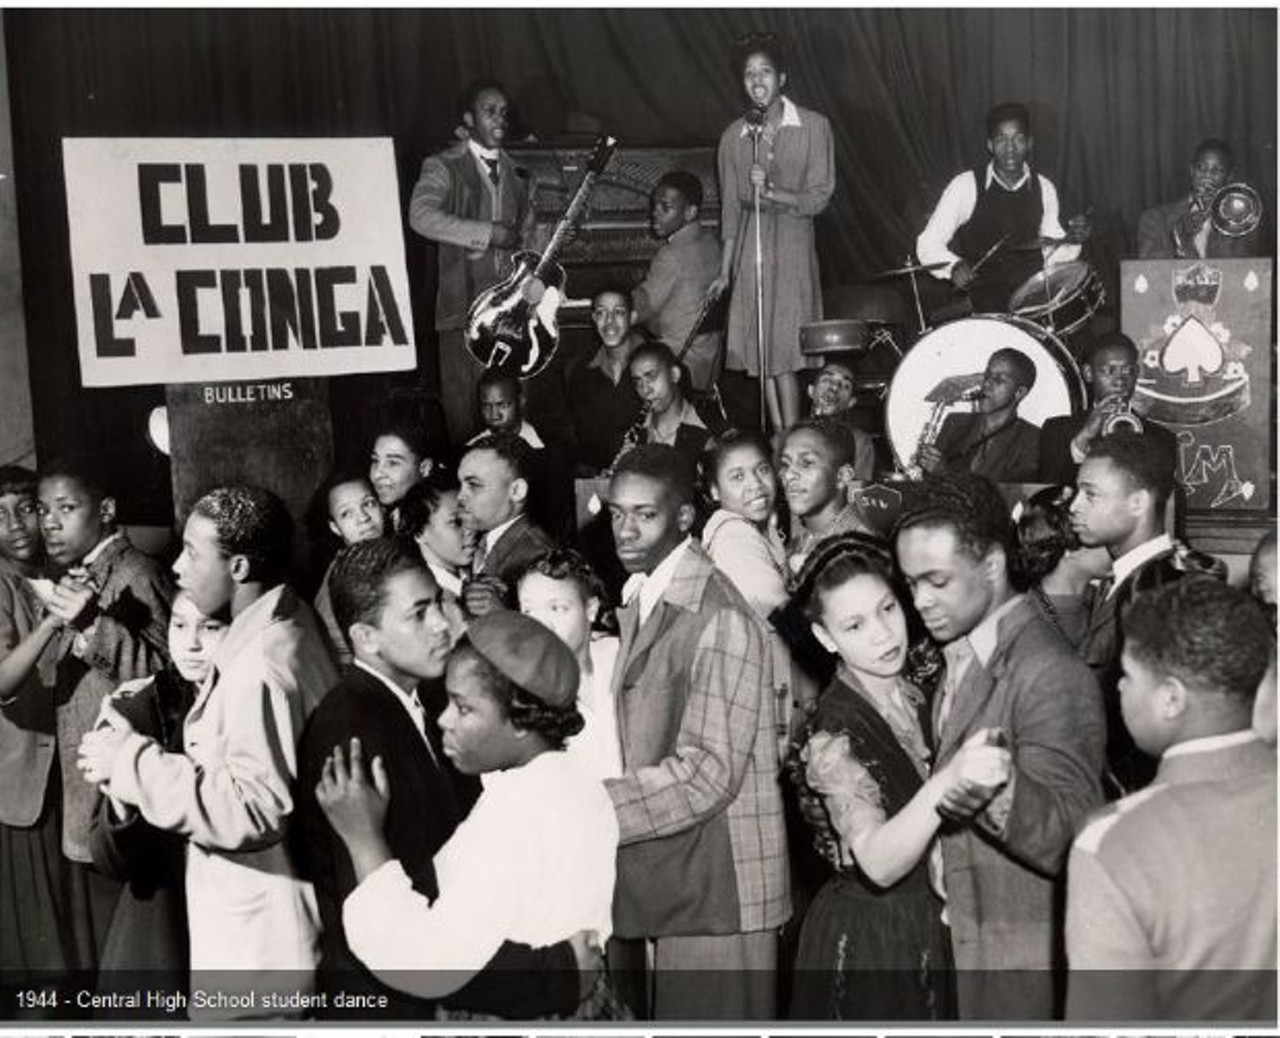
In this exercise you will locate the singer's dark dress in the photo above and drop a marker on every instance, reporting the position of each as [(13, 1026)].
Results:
[(799, 159), (868, 953)]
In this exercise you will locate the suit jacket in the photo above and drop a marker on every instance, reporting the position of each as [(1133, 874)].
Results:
[(429, 799), (452, 205), (27, 720), (1155, 235), (128, 640), (1010, 456), (1128, 766), (1171, 907), (231, 792), (669, 299), (1056, 463), (1003, 869), (520, 544), (703, 849)]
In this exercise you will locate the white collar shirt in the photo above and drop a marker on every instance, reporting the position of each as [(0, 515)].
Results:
[(651, 587), (409, 700), (1135, 557), (790, 116)]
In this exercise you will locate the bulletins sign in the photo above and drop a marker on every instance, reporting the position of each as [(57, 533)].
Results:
[(213, 260)]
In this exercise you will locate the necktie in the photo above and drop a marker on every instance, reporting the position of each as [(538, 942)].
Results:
[(481, 553), (424, 725), (493, 170), (959, 655)]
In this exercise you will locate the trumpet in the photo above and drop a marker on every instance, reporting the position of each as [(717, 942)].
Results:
[(1124, 417)]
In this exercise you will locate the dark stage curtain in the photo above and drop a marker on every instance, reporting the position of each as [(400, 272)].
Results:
[(1118, 99)]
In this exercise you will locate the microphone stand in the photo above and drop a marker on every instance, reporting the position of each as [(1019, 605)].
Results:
[(755, 124)]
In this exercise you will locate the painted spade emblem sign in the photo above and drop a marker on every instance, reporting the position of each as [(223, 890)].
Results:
[(1191, 380)]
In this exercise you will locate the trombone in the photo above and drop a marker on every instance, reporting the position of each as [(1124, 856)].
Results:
[(1234, 211)]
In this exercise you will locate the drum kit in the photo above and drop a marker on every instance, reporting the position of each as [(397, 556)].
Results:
[(913, 383)]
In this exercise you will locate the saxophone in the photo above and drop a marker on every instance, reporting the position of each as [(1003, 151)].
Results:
[(937, 415)]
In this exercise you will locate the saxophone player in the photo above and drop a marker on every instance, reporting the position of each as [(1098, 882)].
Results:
[(1110, 370), (1184, 228), (993, 441)]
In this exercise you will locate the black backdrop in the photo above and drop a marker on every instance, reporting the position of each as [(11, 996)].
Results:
[(1118, 99)]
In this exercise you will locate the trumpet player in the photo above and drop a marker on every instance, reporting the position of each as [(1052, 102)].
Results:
[(1110, 370), (993, 442), (1185, 228)]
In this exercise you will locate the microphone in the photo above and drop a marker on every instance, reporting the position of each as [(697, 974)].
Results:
[(755, 118)]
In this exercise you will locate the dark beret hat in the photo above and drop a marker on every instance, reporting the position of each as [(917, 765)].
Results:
[(528, 654)]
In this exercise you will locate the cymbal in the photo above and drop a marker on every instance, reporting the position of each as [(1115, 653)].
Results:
[(1035, 244), (913, 268)]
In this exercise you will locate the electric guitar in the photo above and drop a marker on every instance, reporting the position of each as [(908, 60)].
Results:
[(512, 326)]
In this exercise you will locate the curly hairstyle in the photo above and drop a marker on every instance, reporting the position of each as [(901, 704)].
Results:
[(970, 505), (566, 564), (1212, 637), (253, 522), (423, 499), (1042, 535), (770, 44), (524, 710)]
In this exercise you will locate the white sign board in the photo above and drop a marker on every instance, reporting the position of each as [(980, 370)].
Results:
[(208, 260)]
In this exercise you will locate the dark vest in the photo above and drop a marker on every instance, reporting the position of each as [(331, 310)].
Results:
[(998, 213)]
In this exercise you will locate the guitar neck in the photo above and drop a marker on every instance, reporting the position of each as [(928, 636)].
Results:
[(571, 217)]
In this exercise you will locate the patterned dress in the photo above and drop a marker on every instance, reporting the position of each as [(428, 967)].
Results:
[(868, 952)]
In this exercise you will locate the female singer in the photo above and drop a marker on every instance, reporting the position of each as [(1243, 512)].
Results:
[(873, 944), (785, 153)]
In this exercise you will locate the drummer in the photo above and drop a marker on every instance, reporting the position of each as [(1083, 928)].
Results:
[(998, 202)]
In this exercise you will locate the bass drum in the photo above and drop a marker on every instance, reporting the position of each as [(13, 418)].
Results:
[(951, 359)]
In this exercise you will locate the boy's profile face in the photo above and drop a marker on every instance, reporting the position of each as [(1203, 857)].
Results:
[(19, 526), (560, 606), (72, 520), (669, 211)]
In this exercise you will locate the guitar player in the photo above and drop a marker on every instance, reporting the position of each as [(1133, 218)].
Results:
[(477, 204)]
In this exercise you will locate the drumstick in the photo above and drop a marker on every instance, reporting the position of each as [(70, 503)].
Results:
[(988, 254)]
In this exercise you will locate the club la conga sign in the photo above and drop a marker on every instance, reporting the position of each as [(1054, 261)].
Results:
[(206, 260)]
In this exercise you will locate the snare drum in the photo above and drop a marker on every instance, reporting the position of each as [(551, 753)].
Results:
[(958, 353), (1061, 298)]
